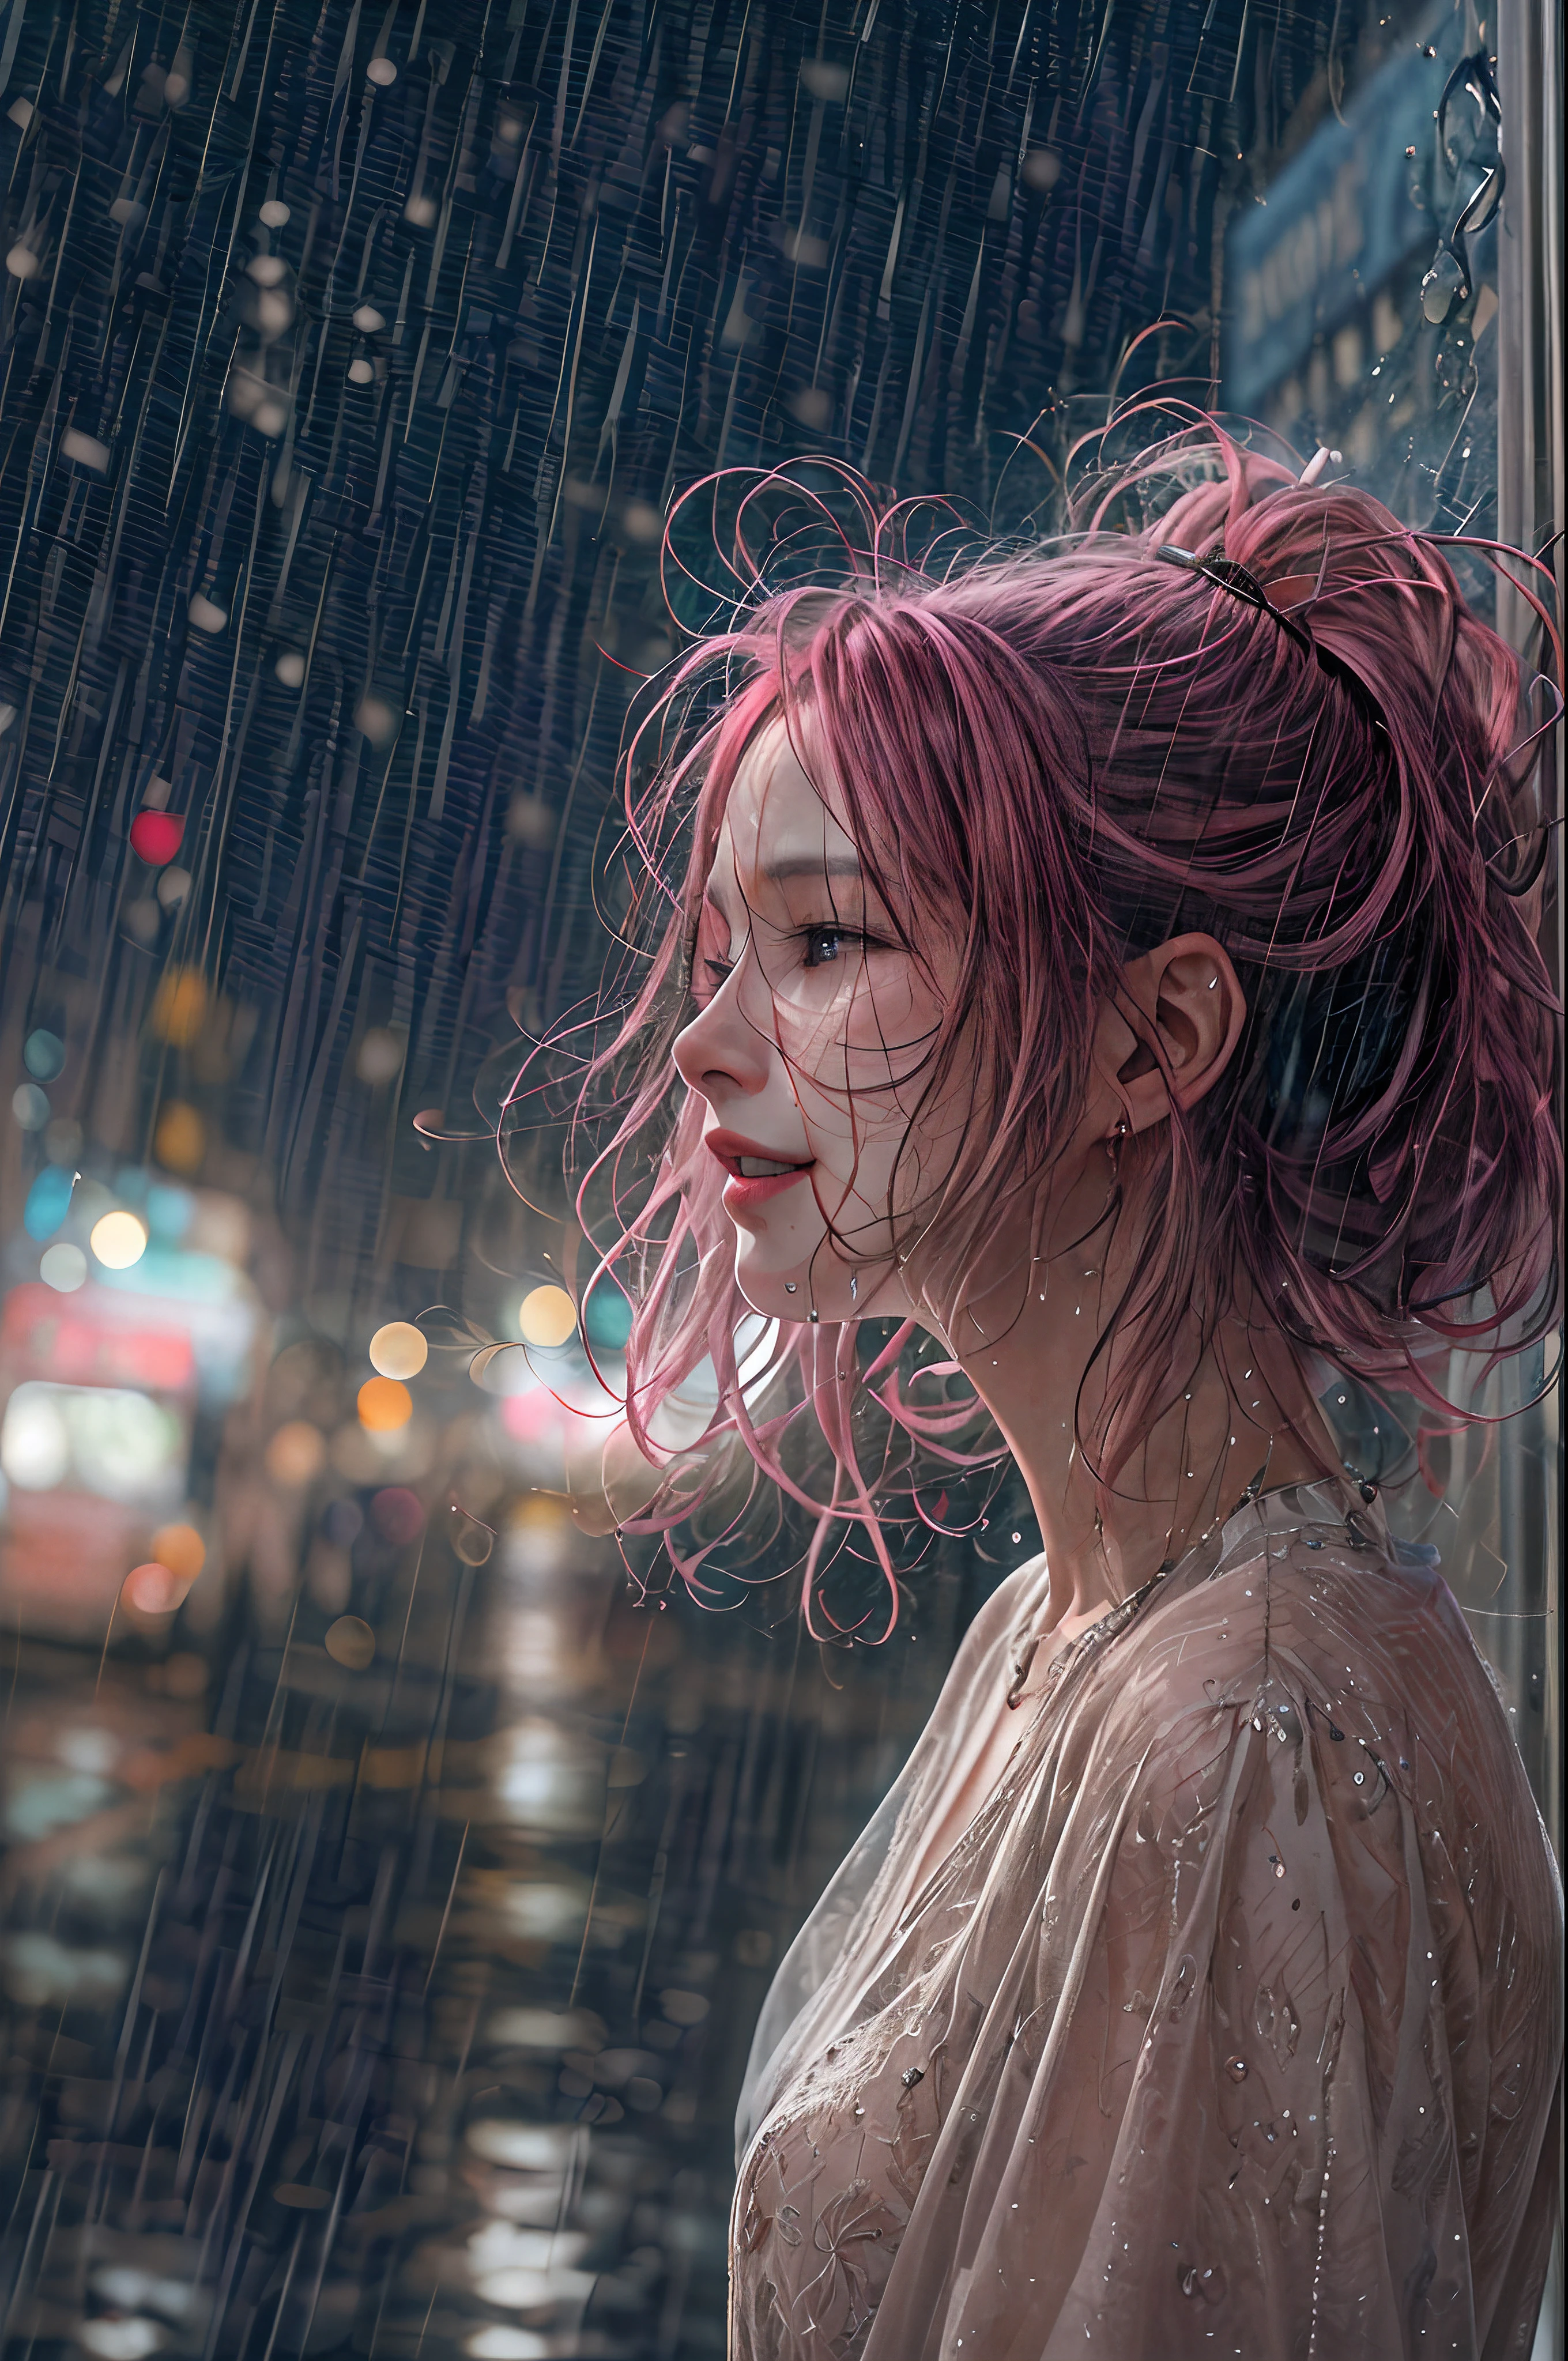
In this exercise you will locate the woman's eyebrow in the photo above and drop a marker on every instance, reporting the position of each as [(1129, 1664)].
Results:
[(842, 866), (813, 865)]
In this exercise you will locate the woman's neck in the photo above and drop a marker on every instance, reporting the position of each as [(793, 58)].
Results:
[(1245, 1414)]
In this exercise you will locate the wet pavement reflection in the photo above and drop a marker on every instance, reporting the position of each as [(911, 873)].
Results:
[(388, 1901)]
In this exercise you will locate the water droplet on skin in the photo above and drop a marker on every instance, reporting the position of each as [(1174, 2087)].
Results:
[(1236, 2068)]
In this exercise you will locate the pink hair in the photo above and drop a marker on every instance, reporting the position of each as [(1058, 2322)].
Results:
[(1064, 758)]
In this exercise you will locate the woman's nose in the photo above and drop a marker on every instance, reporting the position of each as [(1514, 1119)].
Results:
[(723, 1049)]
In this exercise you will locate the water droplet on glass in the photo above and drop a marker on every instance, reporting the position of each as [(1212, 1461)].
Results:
[(1441, 287)]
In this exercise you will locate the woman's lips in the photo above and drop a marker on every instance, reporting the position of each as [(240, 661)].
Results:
[(746, 1189), (742, 1196)]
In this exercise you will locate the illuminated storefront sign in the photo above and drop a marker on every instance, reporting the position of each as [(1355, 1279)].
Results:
[(1341, 218)]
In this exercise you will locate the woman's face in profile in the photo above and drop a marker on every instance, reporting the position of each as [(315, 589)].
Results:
[(810, 1046)]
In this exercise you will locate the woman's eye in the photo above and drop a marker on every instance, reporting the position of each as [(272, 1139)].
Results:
[(824, 944)]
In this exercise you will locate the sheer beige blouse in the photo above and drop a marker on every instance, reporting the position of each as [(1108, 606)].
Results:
[(1232, 2026)]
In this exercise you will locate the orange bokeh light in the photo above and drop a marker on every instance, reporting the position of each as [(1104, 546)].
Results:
[(179, 1006), (181, 1549), (384, 1405), (296, 1454), (180, 1141)]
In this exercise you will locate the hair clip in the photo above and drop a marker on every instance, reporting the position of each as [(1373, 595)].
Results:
[(1229, 574)]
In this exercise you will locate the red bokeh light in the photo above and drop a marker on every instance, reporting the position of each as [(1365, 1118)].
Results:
[(397, 1514), (155, 837)]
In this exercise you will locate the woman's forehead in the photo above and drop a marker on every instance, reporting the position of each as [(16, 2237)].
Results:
[(776, 819)]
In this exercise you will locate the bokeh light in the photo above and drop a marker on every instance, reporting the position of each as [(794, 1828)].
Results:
[(180, 1548), (547, 1317), (43, 1054), (180, 1141), (500, 2342), (399, 1350), (342, 1522), (63, 1268), (351, 1642), (118, 1240), (296, 1454), (384, 1405), (179, 1006), (607, 1316), (152, 1589), (49, 1201), (155, 837), (382, 1054), (169, 1212), (397, 1514)]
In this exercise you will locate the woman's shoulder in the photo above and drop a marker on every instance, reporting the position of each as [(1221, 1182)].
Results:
[(1341, 1629), (1340, 1601)]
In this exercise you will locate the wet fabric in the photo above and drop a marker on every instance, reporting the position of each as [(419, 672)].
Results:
[(1232, 2023)]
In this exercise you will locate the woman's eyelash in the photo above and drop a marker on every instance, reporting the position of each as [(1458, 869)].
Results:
[(840, 934)]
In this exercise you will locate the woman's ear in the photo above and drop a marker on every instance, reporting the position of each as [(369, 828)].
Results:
[(1171, 1030)]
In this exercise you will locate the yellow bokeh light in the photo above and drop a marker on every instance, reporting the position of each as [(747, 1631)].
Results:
[(179, 1006), (180, 1141), (384, 1405), (181, 1549), (118, 1240), (399, 1350), (548, 1316), (351, 1642)]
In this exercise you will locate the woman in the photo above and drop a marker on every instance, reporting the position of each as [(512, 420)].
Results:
[(1117, 965)]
